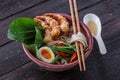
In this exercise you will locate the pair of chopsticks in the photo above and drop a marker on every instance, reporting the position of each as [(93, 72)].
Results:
[(75, 22)]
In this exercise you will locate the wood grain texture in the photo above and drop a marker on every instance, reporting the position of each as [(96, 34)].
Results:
[(11, 57), (111, 32), (99, 67), (60, 6), (32, 72), (101, 11), (25, 13), (10, 7), (36, 10)]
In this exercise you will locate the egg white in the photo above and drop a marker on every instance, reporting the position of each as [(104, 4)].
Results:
[(51, 53)]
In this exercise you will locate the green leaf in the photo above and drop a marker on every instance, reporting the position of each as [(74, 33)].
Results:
[(54, 49), (32, 48), (27, 31), (56, 59), (64, 49), (22, 30), (68, 44), (39, 36)]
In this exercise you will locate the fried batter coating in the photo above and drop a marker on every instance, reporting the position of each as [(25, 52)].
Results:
[(41, 21), (48, 37), (53, 24), (64, 25)]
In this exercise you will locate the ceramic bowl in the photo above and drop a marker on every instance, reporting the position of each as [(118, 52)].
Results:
[(55, 67)]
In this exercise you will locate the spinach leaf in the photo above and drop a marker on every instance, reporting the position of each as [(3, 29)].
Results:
[(32, 48), (27, 31), (22, 30), (39, 36)]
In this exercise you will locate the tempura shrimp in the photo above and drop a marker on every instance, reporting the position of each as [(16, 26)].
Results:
[(41, 21), (55, 32), (48, 37), (64, 25)]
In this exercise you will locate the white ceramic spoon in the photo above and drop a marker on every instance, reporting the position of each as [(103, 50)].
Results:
[(94, 24)]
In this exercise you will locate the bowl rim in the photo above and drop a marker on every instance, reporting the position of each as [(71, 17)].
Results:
[(36, 60)]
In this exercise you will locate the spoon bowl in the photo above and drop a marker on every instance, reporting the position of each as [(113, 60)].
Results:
[(93, 18), (94, 24)]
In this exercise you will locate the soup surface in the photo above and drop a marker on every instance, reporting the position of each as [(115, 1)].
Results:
[(93, 27)]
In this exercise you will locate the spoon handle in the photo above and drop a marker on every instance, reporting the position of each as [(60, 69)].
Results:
[(101, 45)]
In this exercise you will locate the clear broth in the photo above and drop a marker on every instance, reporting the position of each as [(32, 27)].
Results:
[(93, 27)]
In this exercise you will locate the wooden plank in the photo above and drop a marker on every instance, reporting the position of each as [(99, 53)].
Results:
[(32, 72), (98, 69), (4, 32), (110, 26), (11, 57), (94, 59), (10, 7), (106, 67), (61, 6), (101, 11), (102, 67), (110, 35)]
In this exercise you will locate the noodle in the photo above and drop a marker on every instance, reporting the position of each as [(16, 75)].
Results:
[(55, 42), (75, 37)]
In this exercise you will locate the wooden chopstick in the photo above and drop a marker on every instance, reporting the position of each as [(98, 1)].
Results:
[(78, 27), (81, 63), (74, 30)]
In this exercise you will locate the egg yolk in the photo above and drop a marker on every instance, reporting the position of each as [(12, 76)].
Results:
[(45, 53)]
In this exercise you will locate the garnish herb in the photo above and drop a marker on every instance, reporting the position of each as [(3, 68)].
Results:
[(27, 31)]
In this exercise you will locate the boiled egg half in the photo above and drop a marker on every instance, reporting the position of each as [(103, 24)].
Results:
[(46, 54)]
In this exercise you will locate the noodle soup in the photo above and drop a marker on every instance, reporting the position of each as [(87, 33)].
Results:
[(48, 40), (59, 39)]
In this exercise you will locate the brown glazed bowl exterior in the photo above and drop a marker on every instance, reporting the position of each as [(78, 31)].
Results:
[(55, 67)]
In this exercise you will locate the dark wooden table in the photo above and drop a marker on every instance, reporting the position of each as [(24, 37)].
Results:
[(15, 65)]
